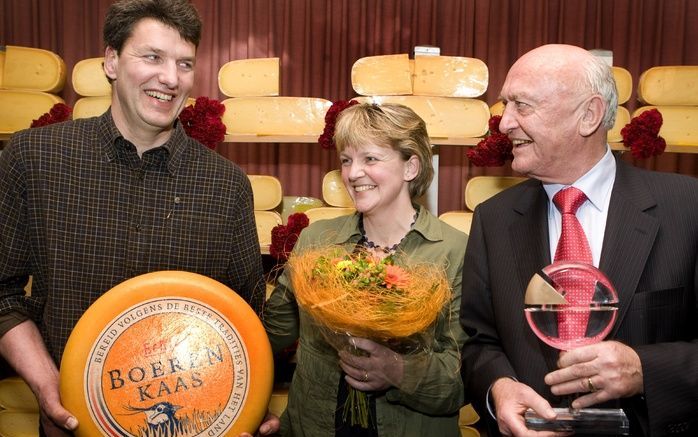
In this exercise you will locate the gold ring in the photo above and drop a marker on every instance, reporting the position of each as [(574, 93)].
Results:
[(590, 385), (365, 376)]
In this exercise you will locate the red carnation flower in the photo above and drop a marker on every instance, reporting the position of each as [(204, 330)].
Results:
[(284, 237), (641, 135), (297, 221), (494, 149), (58, 113), (202, 121), (326, 140)]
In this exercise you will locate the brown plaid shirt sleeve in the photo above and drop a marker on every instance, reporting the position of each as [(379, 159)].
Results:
[(81, 212)]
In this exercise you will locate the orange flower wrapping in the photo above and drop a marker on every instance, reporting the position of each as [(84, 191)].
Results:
[(365, 297)]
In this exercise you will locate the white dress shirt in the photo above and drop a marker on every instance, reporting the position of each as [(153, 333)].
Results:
[(596, 184)]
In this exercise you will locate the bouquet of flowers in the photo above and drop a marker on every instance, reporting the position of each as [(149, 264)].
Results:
[(355, 294)]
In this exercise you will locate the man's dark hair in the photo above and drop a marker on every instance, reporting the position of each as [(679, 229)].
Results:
[(122, 15)]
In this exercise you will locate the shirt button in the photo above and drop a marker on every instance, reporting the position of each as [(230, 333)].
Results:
[(137, 227)]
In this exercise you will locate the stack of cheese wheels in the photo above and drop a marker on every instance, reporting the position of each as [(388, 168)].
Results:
[(673, 91), (29, 81), (167, 353), (440, 89), (255, 107)]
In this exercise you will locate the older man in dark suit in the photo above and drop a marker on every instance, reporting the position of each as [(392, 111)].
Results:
[(642, 232)]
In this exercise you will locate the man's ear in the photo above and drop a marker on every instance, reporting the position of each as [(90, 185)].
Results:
[(592, 117), (412, 167), (110, 60)]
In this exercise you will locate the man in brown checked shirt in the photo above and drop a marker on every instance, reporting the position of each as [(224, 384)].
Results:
[(89, 203)]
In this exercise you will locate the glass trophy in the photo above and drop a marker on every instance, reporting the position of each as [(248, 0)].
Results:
[(569, 305)]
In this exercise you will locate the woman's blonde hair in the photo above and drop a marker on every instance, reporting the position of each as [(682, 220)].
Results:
[(388, 125)]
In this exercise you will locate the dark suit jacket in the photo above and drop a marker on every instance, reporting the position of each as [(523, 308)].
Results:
[(649, 253)]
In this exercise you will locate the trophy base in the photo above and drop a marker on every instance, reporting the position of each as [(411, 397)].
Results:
[(591, 421)]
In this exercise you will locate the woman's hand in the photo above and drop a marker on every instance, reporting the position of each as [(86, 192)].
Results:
[(270, 426), (379, 370)]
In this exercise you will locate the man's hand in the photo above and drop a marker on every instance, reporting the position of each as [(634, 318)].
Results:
[(511, 400), (604, 371)]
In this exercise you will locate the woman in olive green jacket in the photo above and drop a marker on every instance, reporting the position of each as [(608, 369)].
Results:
[(386, 165)]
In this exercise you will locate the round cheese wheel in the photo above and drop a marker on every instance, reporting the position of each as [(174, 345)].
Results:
[(167, 354)]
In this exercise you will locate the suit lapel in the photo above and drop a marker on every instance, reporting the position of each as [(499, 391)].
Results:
[(530, 245), (529, 234), (629, 236)]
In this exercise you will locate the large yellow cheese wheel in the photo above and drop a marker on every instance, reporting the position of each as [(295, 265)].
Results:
[(250, 77), (460, 220), (16, 395), (89, 79), (386, 75), (167, 353), (669, 85), (449, 76), (19, 423), (19, 108), (265, 222), (327, 212), (622, 118), (480, 188), (266, 190), (334, 193), (91, 106), (33, 69), (2, 66), (624, 84), (445, 117), (275, 115)]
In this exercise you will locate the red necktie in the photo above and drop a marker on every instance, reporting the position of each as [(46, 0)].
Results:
[(572, 246)]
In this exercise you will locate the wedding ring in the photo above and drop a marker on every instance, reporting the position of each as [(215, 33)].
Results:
[(365, 376), (590, 385)]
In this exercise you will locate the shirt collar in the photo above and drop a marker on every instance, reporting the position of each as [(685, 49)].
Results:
[(176, 146), (596, 183), (429, 229)]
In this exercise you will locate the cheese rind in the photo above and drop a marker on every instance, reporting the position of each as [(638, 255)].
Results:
[(250, 77)]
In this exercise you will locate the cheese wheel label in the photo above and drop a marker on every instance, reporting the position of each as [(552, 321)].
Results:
[(170, 366)]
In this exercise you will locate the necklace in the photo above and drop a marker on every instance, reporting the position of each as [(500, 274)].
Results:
[(365, 242)]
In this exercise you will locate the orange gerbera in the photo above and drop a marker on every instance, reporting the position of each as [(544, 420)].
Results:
[(395, 277)]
